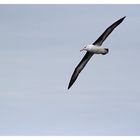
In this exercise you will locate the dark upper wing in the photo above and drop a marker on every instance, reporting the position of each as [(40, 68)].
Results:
[(106, 33), (79, 68)]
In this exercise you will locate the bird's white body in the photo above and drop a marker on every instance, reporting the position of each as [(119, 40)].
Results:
[(95, 49)]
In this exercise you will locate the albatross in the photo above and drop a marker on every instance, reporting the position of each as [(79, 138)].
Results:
[(92, 49)]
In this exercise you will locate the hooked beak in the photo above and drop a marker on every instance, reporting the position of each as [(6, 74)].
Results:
[(83, 49)]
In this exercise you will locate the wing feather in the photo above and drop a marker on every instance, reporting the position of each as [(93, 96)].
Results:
[(79, 68), (106, 33)]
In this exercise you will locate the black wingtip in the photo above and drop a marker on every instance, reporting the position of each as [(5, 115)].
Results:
[(120, 20), (123, 18), (69, 86), (71, 83)]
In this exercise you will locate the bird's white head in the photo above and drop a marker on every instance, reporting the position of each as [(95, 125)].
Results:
[(86, 48)]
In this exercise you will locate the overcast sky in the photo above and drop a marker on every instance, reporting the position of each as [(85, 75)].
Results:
[(39, 49)]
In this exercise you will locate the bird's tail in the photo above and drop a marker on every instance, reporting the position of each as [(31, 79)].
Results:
[(106, 51)]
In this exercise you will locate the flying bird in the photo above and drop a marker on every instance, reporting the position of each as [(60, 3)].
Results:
[(92, 49)]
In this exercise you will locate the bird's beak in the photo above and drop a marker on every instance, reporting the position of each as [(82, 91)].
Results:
[(83, 49)]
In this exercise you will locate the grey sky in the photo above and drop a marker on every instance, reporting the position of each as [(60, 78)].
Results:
[(39, 50)]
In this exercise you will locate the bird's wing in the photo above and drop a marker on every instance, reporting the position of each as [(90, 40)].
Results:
[(79, 68), (106, 33)]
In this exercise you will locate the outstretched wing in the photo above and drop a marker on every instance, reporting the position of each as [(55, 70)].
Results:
[(106, 33), (79, 68)]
